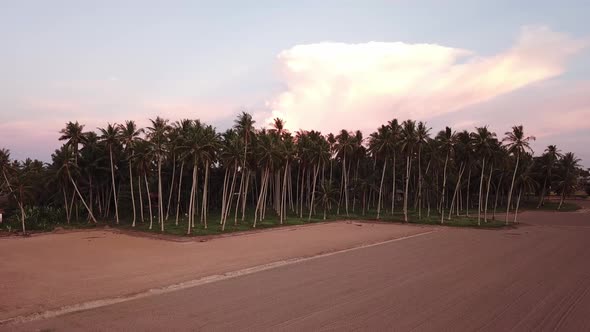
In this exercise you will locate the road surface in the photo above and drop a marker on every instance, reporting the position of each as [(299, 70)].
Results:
[(532, 278)]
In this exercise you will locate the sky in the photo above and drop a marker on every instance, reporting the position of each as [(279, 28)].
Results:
[(322, 65)]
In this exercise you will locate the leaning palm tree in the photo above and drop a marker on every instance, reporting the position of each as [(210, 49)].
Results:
[(158, 136), (129, 135), (110, 137), (381, 146), (517, 143)]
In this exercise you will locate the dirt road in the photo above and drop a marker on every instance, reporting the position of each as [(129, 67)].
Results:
[(535, 277), (50, 271)]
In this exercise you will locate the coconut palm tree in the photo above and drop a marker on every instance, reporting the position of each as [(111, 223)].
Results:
[(74, 135), (548, 159), (568, 169), (381, 145), (244, 125), (422, 139), (517, 143), (129, 135), (446, 140), (395, 134), (110, 138), (483, 143), (408, 144), (158, 136), (345, 147)]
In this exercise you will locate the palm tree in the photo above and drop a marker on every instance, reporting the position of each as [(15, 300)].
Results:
[(245, 127), (568, 169), (517, 143), (446, 140), (158, 136), (408, 143), (326, 196), (381, 146), (129, 135), (422, 139), (74, 135), (483, 142), (344, 146), (395, 133), (110, 137), (549, 158)]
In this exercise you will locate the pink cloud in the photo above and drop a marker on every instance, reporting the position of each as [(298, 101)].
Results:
[(336, 85)]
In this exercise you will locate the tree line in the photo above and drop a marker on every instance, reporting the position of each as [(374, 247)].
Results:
[(185, 170)]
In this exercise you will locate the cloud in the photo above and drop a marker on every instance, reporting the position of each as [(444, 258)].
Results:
[(360, 86)]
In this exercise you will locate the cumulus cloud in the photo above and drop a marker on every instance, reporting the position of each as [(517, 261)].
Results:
[(337, 85)]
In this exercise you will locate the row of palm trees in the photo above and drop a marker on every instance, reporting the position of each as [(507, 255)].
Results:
[(184, 168)]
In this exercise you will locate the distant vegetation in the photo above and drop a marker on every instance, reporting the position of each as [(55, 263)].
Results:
[(186, 174)]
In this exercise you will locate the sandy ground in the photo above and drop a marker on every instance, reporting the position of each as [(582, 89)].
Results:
[(532, 278), (54, 270)]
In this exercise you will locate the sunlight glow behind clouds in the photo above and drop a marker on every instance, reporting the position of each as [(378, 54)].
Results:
[(337, 85)]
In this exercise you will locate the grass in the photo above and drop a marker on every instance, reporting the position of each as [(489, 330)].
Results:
[(549, 206), (272, 220)]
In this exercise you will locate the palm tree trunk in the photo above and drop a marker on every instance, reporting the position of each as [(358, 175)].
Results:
[(80, 196), (468, 186), (205, 199), (381, 189), (284, 194), (238, 200), (393, 189), (444, 186), (315, 176), (171, 186), (453, 200), (192, 199), (512, 187), (542, 199), (419, 200), (132, 194), (179, 191), (224, 195), (114, 188), (345, 185), (517, 204), (483, 166), (247, 185), (485, 213), (66, 204), (140, 198), (147, 188), (408, 161), (160, 200), (260, 195)]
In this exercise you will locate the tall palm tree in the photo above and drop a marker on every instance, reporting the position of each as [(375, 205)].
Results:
[(74, 135), (517, 143), (110, 137), (381, 146), (395, 134), (422, 139), (408, 143), (446, 140), (244, 125), (158, 136), (483, 143), (345, 147), (129, 135)]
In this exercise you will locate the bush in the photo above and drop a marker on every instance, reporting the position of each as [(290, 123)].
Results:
[(43, 218)]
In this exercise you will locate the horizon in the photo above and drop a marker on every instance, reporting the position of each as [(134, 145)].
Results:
[(350, 67)]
